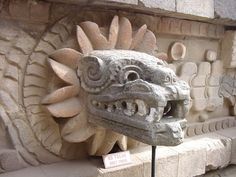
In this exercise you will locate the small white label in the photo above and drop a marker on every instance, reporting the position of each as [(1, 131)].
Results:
[(116, 159)]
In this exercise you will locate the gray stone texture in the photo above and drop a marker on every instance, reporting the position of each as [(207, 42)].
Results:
[(160, 4), (225, 9), (195, 7)]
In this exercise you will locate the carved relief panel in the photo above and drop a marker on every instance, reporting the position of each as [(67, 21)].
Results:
[(42, 93)]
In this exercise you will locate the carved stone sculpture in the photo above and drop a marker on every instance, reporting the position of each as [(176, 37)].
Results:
[(122, 90), (69, 91), (68, 96)]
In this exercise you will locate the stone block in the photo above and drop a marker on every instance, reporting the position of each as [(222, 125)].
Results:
[(25, 43), (230, 171), (159, 4), (11, 160), (228, 49), (39, 11), (32, 171), (166, 159), (218, 150), (225, 9), (78, 168), (196, 7), (231, 133), (19, 9), (192, 158), (204, 152)]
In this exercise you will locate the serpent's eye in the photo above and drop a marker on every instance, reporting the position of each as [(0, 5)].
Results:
[(174, 79), (131, 76)]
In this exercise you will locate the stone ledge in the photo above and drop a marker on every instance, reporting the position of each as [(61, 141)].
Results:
[(194, 157), (213, 11)]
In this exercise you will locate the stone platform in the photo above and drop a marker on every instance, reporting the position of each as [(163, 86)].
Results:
[(194, 157)]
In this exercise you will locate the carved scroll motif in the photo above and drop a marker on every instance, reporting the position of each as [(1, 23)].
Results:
[(204, 80)]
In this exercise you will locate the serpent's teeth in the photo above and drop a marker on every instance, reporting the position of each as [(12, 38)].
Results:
[(142, 107), (118, 105), (130, 108), (110, 108), (94, 102), (155, 114), (159, 113)]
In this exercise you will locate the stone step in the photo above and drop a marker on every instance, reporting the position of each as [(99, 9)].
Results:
[(194, 157)]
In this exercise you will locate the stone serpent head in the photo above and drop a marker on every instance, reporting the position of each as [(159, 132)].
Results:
[(116, 84), (134, 94)]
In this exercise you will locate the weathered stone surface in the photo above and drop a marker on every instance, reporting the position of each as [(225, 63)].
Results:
[(32, 11), (188, 159), (230, 133), (215, 99), (188, 71), (211, 55), (166, 159), (159, 4), (218, 151), (192, 158), (62, 169), (228, 49), (229, 171), (210, 150), (225, 9), (198, 83), (39, 11), (11, 160), (195, 7), (19, 9)]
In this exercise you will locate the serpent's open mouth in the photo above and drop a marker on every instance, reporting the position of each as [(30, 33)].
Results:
[(153, 124), (142, 110)]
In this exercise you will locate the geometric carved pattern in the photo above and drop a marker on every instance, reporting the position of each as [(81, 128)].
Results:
[(190, 28), (204, 80), (210, 125)]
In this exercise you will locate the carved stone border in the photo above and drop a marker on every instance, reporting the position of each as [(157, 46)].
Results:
[(211, 125)]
